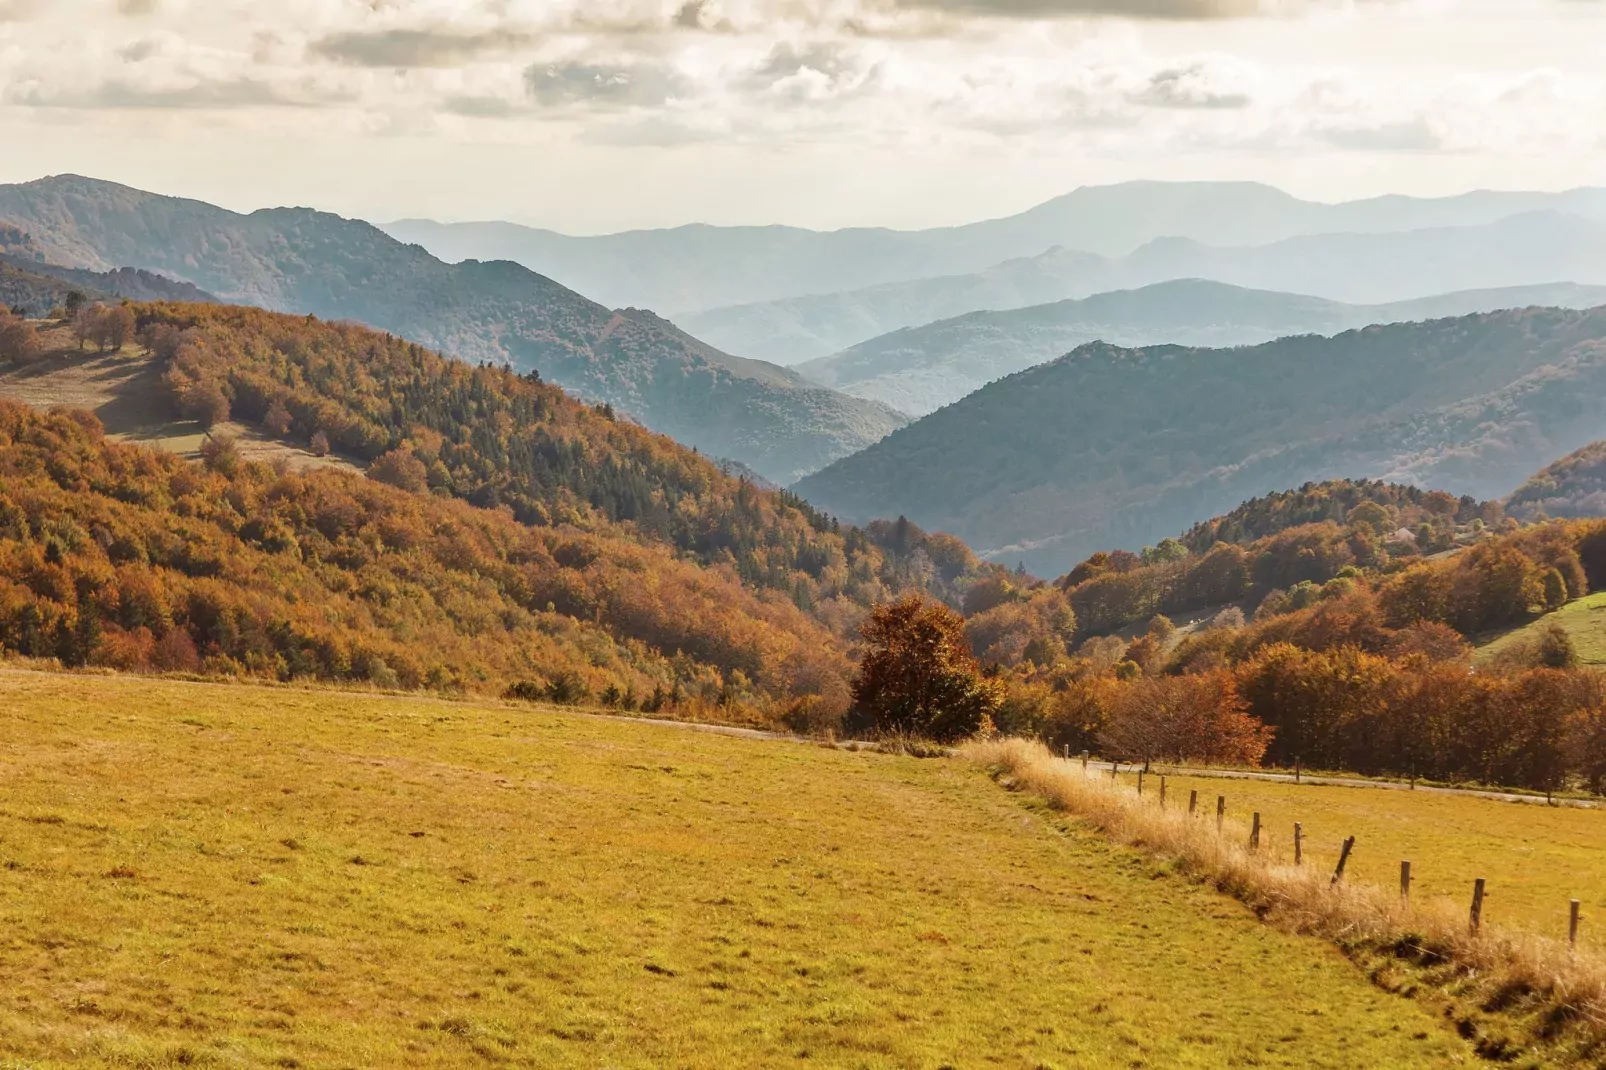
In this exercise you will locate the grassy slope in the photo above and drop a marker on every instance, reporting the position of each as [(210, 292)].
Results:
[(1584, 619), (180, 881), (1535, 858)]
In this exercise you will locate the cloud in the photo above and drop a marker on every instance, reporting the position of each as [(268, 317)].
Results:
[(138, 7), (418, 48), (119, 93), (1194, 85), (1134, 9), (17, 10), (1409, 135), (642, 85)]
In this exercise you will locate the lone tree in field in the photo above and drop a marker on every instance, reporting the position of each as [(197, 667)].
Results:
[(918, 675)]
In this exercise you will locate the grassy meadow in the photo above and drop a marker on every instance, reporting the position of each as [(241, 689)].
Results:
[(1535, 858), (197, 874)]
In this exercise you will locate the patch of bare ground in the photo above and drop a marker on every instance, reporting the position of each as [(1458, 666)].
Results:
[(125, 392)]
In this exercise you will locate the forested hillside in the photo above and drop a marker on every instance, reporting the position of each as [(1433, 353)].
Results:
[(1573, 486), (502, 441), (1120, 447), (124, 557), (920, 369), (1347, 637), (298, 260)]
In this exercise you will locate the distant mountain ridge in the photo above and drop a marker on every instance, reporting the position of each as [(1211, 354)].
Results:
[(696, 268), (300, 260), (920, 369), (1358, 268), (39, 287), (1119, 447)]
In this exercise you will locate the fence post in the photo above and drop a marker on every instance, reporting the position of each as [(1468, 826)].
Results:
[(1067, 752), (1254, 832), (1299, 844), (1343, 860), (1221, 811), (1193, 801), (1296, 770), (1405, 883), (1572, 926), (1115, 770), (1140, 782), (1475, 921), (1162, 791), (1084, 761)]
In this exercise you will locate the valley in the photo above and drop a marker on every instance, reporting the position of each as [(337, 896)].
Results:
[(388, 657)]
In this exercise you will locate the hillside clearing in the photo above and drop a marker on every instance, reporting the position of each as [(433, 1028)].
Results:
[(125, 392), (1583, 619), (201, 874)]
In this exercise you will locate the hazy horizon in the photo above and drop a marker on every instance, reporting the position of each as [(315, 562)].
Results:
[(608, 115)]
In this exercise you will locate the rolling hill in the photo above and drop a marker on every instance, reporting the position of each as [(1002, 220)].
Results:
[(1574, 486), (1358, 268), (299, 260), (921, 369), (1119, 447), (695, 268)]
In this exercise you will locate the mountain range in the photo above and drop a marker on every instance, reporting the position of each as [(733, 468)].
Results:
[(1111, 446), (1354, 267), (303, 261), (695, 268), (920, 369)]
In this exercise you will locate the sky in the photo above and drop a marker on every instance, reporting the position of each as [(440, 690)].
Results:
[(590, 116)]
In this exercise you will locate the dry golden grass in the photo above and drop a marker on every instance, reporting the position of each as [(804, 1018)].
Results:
[(1536, 996), (197, 874)]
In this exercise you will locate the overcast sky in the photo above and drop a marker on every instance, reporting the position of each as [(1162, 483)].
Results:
[(596, 115)]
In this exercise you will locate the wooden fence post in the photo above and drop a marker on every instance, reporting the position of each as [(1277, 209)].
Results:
[(1343, 860), (1296, 770), (1162, 791), (1193, 801), (1115, 768), (1572, 925), (1084, 761), (1254, 832), (1475, 921), (1067, 752), (1221, 811), (1405, 883), (1299, 844), (1140, 782)]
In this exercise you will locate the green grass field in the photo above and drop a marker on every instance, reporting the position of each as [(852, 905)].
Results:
[(1535, 858), (199, 874), (1584, 619)]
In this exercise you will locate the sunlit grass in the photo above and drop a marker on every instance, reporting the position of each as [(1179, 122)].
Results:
[(1535, 858), (1584, 620), (199, 874)]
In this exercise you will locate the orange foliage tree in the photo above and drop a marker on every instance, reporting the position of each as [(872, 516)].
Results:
[(918, 676), (1185, 718)]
